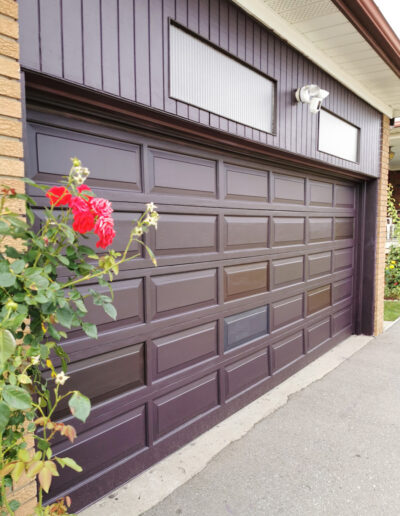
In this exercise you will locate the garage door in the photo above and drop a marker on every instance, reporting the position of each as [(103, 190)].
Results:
[(255, 279)]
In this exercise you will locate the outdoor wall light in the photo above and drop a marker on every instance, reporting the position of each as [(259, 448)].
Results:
[(313, 95)]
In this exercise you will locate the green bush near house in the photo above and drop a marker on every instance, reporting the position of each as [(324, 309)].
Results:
[(392, 310), (392, 273)]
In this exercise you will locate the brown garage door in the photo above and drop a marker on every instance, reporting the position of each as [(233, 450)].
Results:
[(255, 279)]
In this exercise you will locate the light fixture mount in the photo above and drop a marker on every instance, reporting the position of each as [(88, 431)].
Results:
[(313, 95)]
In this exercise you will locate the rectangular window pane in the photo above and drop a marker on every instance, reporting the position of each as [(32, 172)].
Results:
[(338, 137), (204, 77)]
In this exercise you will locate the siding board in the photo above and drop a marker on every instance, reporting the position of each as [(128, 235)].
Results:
[(122, 47)]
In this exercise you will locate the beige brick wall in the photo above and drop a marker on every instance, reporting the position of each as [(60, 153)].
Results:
[(11, 164), (381, 228)]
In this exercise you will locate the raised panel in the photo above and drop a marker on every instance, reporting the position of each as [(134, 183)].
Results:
[(320, 229), (185, 347), (246, 184), (321, 194), (244, 327), (318, 299), (341, 320), (287, 271), (102, 446), (286, 311), (343, 259), (288, 231), (181, 174), (344, 227), (182, 405), (245, 232), (342, 289), (246, 372), (288, 351), (180, 234), (119, 163), (245, 280), (128, 300), (109, 374), (319, 333), (182, 292), (319, 264), (344, 196), (289, 189)]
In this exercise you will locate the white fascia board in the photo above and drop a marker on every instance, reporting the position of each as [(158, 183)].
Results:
[(284, 30)]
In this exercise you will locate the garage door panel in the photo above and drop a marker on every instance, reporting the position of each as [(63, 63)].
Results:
[(245, 184), (286, 272), (186, 233), (319, 264), (344, 196), (182, 349), (103, 446), (342, 289), (173, 173), (245, 373), (178, 293), (341, 320), (288, 231), (245, 232), (288, 351), (54, 148), (344, 227), (343, 258), (288, 189), (244, 327), (318, 299), (245, 280), (120, 371), (320, 193), (182, 405), (319, 333), (320, 229), (287, 311)]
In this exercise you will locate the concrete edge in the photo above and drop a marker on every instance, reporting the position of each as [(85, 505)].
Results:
[(153, 485), (389, 324)]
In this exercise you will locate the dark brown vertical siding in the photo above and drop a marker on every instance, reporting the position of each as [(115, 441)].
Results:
[(121, 47)]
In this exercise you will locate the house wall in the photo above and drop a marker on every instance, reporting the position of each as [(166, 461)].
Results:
[(120, 47), (12, 166), (381, 228)]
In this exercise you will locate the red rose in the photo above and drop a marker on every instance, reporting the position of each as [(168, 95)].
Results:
[(104, 229), (81, 188), (79, 205), (58, 195), (101, 207), (83, 222)]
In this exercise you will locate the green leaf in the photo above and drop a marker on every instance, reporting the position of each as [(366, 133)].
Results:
[(79, 406), (7, 346), (14, 505), (90, 329), (4, 227), (16, 398), (64, 316), (69, 232), (4, 416), (71, 464), (63, 259), (6, 279), (80, 305), (18, 266), (110, 310)]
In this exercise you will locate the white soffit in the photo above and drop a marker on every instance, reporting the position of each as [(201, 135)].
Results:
[(318, 30)]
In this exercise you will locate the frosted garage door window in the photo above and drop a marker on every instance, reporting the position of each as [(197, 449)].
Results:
[(202, 76), (338, 137)]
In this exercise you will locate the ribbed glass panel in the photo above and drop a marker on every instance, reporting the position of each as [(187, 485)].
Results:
[(338, 137), (204, 77)]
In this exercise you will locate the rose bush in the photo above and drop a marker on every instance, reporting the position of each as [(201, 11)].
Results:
[(36, 306)]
